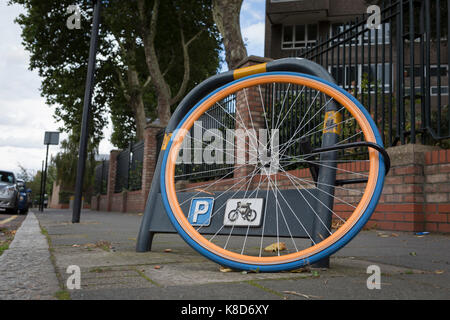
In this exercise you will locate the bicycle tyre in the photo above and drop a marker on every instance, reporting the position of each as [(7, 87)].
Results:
[(289, 261)]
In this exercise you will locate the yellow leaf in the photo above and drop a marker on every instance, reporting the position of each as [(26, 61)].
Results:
[(275, 247), (225, 269)]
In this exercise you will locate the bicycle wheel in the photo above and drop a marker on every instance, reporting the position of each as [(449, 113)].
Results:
[(285, 183), (251, 216), (233, 215)]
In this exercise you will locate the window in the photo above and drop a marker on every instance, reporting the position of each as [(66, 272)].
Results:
[(434, 71), (7, 177), (435, 90), (299, 36), (364, 35), (350, 76)]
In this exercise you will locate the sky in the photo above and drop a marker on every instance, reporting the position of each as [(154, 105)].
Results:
[(24, 115)]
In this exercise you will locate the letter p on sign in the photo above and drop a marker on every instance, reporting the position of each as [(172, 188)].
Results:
[(200, 211)]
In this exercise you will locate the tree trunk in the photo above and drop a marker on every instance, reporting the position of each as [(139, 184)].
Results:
[(226, 15), (163, 92), (136, 103)]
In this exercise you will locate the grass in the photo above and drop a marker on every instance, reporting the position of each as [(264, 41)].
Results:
[(100, 270), (62, 295), (4, 246), (259, 286)]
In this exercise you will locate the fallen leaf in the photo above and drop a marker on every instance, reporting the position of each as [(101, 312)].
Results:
[(168, 250), (301, 270), (439, 271), (275, 247), (75, 245), (157, 267), (413, 254), (394, 235), (225, 269)]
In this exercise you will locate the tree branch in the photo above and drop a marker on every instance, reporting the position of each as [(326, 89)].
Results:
[(122, 84), (187, 65)]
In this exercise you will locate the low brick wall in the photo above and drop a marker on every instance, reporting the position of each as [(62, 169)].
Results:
[(416, 194)]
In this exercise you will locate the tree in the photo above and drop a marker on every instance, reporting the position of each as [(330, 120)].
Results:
[(24, 174), (226, 15), (123, 82), (194, 22), (65, 164)]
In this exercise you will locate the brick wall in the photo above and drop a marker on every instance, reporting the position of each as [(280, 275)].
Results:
[(416, 194), (130, 201)]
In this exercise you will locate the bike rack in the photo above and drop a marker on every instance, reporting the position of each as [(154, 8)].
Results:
[(155, 219)]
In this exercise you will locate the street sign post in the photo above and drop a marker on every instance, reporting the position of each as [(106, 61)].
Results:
[(50, 138)]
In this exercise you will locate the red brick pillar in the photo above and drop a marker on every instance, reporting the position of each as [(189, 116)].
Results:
[(249, 119), (150, 157), (402, 204), (437, 191), (111, 178)]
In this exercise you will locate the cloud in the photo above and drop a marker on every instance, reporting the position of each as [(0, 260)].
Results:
[(24, 116), (253, 26), (254, 38)]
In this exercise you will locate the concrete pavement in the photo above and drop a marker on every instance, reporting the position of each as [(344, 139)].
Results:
[(26, 270), (103, 246)]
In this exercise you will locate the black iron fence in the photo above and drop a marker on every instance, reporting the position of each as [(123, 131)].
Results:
[(129, 168), (216, 121), (101, 177), (399, 71)]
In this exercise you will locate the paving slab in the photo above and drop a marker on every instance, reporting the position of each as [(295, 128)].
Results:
[(411, 267), (217, 291)]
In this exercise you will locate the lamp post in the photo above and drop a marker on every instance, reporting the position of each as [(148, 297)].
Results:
[(86, 113)]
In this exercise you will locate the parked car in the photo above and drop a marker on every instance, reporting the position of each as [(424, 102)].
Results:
[(24, 196), (9, 192)]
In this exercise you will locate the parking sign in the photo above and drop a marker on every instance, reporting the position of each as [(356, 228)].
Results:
[(200, 212)]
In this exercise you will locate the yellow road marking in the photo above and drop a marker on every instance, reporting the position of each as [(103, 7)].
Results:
[(7, 220)]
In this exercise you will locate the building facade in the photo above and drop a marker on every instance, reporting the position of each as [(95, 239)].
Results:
[(409, 49)]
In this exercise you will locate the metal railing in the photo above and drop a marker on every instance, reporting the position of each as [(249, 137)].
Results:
[(129, 168), (380, 66), (101, 177)]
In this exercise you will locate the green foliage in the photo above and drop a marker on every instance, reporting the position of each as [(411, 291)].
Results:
[(66, 161), (60, 56)]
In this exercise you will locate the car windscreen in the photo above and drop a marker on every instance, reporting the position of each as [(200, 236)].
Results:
[(6, 177)]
